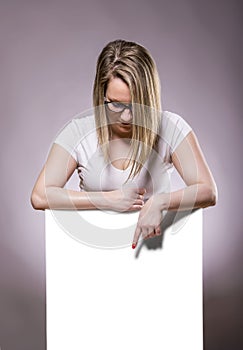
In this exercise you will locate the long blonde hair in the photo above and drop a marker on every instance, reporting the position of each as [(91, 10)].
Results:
[(133, 64)]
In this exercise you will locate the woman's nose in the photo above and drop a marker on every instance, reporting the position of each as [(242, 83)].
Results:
[(126, 116)]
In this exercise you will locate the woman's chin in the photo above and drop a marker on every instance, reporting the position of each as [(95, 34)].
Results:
[(122, 130)]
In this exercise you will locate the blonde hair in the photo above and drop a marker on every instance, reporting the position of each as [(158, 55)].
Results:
[(133, 64)]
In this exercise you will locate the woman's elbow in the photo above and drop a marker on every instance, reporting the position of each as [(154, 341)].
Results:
[(37, 201), (212, 196)]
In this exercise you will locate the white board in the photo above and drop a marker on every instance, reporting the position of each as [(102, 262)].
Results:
[(120, 298)]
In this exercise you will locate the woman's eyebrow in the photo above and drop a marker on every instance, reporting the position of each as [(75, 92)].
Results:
[(115, 100), (112, 99)]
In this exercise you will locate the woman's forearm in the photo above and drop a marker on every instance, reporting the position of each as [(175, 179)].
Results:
[(126, 199), (60, 198), (193, 196)]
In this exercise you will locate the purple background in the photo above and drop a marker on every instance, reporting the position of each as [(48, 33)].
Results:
[(48, 56)]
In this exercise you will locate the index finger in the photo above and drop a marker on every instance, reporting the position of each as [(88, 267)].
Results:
[(136, 237)]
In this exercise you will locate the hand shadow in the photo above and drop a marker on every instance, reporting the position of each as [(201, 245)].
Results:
[(170, 218)]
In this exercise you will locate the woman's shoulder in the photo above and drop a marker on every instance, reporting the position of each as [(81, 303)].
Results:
[(76, 130), (173, 120), (82, 124), (79, 126), (169, 117), (174, 128)]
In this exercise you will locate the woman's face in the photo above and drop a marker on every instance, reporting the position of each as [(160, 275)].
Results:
[(121, 122)]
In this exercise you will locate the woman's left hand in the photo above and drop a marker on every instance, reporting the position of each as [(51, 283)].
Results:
[(149, 220)]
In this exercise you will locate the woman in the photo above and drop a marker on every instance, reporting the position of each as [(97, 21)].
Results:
[(125, 150)]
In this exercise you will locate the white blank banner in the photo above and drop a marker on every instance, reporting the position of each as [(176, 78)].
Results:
[(117, 299)]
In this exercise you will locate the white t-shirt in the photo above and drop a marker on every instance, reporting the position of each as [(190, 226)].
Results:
[(79, 138)]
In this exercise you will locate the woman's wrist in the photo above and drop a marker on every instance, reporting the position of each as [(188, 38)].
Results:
[(108, 199), (103, 200), (160, 200)]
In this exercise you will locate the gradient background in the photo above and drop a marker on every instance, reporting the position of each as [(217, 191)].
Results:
[(48, 56)]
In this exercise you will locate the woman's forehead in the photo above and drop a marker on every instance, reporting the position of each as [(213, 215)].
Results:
[(117, 90)]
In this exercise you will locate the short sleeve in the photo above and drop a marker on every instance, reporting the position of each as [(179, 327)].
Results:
[(174, 129), (69, 138)]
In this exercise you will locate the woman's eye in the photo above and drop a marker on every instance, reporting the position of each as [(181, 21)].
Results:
[(117, 104)]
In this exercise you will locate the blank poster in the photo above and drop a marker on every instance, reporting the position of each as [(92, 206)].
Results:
[(102, 294)]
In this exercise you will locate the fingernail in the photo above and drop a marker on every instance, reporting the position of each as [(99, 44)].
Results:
[(133, 246)]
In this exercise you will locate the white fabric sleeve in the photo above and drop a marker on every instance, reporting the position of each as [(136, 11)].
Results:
[(175, 129), (69, 138)]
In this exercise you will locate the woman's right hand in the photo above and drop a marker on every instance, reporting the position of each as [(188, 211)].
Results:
[(125, 199)]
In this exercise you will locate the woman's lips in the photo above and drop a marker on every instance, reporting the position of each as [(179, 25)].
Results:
[(125, 124)]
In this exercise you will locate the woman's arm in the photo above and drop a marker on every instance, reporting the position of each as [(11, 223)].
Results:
[(48, 192), (201, 190)]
